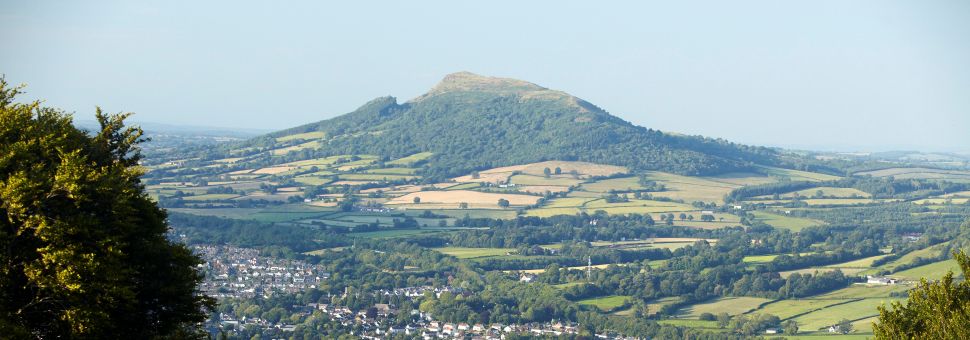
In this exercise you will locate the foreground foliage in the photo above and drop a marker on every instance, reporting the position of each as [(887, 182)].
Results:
[(935, 310), (83, 250)]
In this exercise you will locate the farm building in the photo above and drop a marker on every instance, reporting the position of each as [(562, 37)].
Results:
[(880, 280)]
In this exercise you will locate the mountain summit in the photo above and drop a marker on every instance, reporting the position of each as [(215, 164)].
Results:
[(468, 122), (470, 82)]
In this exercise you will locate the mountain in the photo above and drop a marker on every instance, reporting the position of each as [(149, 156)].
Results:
[(470, 122)]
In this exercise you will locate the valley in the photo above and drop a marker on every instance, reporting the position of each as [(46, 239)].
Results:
[(763, 246)]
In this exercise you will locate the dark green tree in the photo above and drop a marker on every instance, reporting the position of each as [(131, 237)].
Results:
[(935, 310), (504, 203), (83, 249)]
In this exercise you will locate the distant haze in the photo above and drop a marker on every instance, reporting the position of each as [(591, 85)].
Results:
[(846, 75)]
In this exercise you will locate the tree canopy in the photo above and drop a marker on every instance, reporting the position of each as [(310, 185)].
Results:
[(83, 249), (935, 310)]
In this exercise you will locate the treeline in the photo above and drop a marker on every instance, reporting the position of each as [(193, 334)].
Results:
[(878, 187), (248, 233)]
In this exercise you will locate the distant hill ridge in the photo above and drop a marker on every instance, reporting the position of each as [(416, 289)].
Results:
[(471, 122)]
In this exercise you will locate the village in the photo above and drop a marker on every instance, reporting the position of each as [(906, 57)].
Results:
[(233, 272)]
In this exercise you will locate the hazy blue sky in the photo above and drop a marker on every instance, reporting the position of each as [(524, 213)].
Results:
[(824, 74)]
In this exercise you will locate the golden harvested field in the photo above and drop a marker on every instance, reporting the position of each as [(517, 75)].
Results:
[(541, 189), (574, 205), (742, 178), (453, 197), (690, 189), (567, 202), (826, 191), (965, 194), (274, 170), (942, 201), (583, 169), (916, 172), (797, 175)]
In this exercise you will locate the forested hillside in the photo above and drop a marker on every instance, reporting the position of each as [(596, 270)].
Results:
[(472, 122)]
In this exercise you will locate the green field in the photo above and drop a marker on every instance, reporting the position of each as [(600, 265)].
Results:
[(406, 161), (690, 323), (928, 252), (690, 189), (375, 177), (606, 303), (613, 184), (398, 233), (210, 197), (863, 291), (392, 171), (470, 253), (730, 305), (826, 192), (855, 310), (860, 263), (785, 222), (785, 309), (932, 271), (797, 175), (756, 259)]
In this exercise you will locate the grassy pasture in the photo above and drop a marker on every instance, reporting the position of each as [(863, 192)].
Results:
[(826, 191), (710, 325), (305, 135), (375, 177), (605, 303), (690, 189), (398, 233), (957, 200), (757, 259), (855, 310), (797, 175), (860, 263), (464, 186), (567, 202), (470, 253), (932, 271), (406, 161), (392, 171), (313, 180), (476, 213), (583, 169), (235, 213), (613, 184), (863, 291), (923, 173), (742, 178), (785, 309), (540, 180), (785, 222), (928, 252), (814, 270), (730, 305), (473, 198), (210, 197), (298, 147)]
